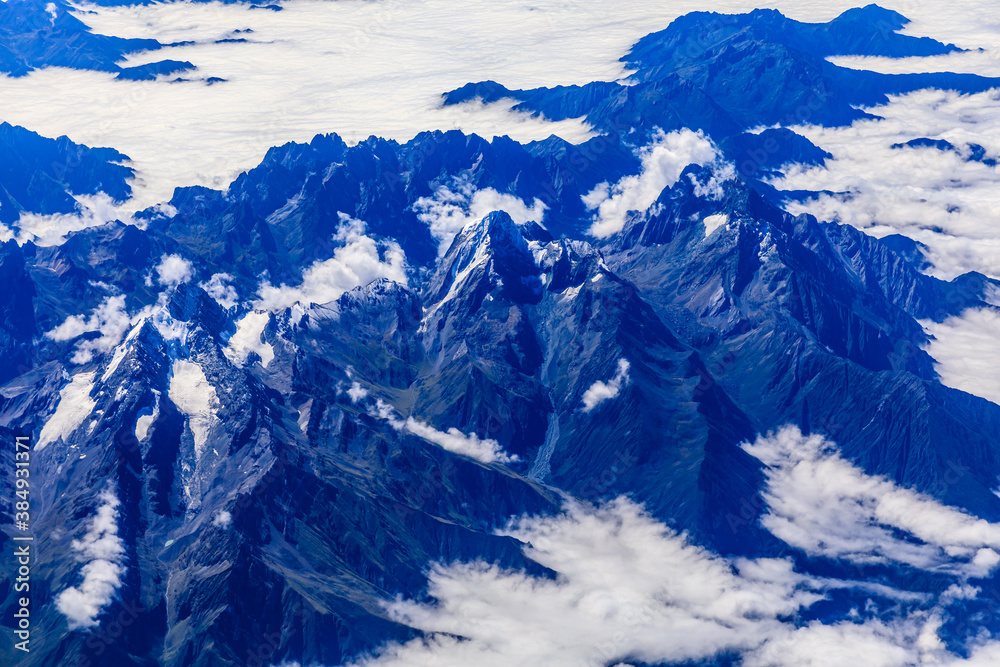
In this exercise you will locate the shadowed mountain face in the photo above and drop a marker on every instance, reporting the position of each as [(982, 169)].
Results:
[(275, 407)]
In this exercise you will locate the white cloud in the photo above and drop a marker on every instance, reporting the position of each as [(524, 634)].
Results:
[(483, 450), (939, 198), (219, 288), (662, 164), (357, 392), (966, 351), (222, 518), (600, 391), (249, 337), (103, 552), (174, 270), (195, 396), (826, 506), (358, 262), (452, 208), (75, 405), (629, 588), (387, 56), (109, 318), (52, 229)]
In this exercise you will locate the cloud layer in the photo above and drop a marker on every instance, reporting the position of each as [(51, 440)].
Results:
[(826, 506), (943, 199), (350, 67), (967, 352)]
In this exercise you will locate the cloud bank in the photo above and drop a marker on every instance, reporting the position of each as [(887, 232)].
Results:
[(967, 352), (941, 198), (826, 506)]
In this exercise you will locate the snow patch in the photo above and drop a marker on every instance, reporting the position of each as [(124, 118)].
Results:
[(249, 337), (75, 405), (143, 422), (713, 222), (193, 395)]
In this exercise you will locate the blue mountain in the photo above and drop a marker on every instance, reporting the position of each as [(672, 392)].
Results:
[(41, 175), (274, 497)]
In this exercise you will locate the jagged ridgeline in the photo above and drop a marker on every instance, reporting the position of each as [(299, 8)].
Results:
[(261, 414)]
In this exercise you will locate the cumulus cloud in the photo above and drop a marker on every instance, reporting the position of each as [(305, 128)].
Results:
[(103, 554), (219, 288), (600, 391), (662, 164), (359, 261), (452, 208), (109, 318), (357, 392), (222, 518), (174, 270), (966, 352), (483, 450), (75, 405), (826, 506)]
